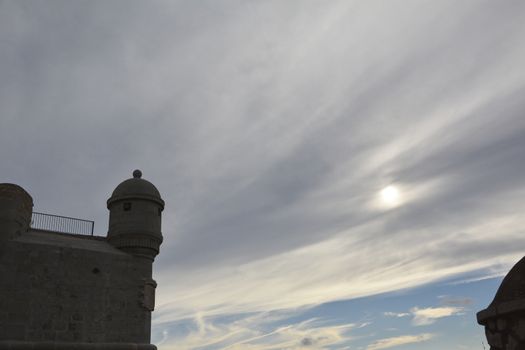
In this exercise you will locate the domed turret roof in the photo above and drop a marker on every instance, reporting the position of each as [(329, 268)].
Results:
[(512, 287), (136, 188), (510, 296)]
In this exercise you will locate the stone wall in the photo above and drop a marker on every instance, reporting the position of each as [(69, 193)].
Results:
[(506, 332), (72, 289)]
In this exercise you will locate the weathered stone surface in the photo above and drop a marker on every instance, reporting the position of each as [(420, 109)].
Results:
[(73, 294)]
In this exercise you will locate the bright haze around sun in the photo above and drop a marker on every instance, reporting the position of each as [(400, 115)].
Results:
[(337, 174), (391, 196)]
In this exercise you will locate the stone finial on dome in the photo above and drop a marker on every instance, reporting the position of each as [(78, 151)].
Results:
[(137, 174)]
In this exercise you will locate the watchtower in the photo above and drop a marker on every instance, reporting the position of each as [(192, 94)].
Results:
[(135, 210)]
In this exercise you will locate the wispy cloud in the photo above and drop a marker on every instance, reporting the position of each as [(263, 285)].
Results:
[(396, 314), (258, 332), (426, 316), (296, 279), (400, 340)]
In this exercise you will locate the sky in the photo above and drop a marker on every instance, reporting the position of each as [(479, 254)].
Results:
[(337, 174)]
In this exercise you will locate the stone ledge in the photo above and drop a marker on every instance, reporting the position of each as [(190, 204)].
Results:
[(23, 345)]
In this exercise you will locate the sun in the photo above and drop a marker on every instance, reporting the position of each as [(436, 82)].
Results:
[(390, 196)]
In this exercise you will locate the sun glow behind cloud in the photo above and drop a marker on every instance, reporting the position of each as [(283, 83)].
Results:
[(390, 196)]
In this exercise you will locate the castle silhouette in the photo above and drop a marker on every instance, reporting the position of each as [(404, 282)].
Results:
[(63, 288)]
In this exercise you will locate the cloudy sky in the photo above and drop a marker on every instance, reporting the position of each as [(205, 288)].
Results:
[(338, 174)]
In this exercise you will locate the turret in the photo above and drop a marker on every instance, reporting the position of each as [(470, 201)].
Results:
[(504, 318), (135, 210), (16, 207)]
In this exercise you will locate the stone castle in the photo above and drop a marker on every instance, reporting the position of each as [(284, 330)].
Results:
[(64, 290)]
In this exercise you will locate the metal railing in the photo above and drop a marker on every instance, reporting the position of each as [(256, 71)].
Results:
[(63, 224)]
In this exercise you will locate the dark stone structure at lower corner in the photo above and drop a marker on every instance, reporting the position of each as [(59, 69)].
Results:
[(70, 291), (504, 318)]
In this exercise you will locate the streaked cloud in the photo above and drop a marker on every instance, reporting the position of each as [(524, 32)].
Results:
[(280, 281), (400, 340), (396, 314), (256, 332), (426, 316)]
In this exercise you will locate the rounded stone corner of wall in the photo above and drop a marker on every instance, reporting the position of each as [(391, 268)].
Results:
[(16, 208)]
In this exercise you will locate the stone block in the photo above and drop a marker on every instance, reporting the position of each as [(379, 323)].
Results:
[(15, 331), (76, 317), (18, 317), (74, 326)]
